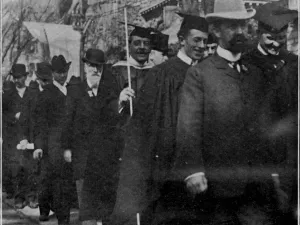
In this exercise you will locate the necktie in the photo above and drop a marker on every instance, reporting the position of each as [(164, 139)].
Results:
[(235, 65)]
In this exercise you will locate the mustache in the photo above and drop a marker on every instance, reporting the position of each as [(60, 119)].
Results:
[(200, 49), (142, 51), (271, 45), (238, 38)]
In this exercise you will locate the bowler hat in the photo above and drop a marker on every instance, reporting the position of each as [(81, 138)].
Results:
[(230, 9), (94, 56), (59, 64), (274, 18), (44, 71), (18, 70)]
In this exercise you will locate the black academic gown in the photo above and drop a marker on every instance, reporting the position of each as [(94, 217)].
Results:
[(148, 157)]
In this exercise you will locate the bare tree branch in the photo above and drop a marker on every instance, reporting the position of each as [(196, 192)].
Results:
[(20, 50)]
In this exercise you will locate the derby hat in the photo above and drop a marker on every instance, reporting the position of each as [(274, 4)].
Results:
[(59, 64), (94, 56), (44, 71), (274, 18), (18, 71), (230, 9)]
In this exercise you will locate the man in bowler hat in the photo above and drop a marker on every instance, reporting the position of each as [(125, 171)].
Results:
[(91, 138), (280, 78), (49, 119), (220, 130), (18, 104)]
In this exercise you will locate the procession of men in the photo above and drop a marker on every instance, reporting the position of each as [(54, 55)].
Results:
[(206, 137)]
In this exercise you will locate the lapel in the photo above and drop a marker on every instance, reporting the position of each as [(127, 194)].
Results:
[(222, 64)]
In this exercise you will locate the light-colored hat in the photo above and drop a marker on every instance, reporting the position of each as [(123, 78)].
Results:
[(230, 9)]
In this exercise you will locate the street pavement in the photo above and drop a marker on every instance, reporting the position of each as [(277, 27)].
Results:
[(28, 216)]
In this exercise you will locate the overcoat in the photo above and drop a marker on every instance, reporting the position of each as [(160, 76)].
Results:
[(220, 128), (92, 133), (16, 130)]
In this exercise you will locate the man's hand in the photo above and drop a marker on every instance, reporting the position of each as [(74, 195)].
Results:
[(196, 184), (17, 116), (125, 95), (68, 155), (38, 153)]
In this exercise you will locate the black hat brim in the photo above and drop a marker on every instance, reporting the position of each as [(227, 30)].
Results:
[(85, 60), (19, 75)]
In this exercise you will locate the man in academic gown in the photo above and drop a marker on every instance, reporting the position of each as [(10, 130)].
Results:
[(139, 49), (148, 157)]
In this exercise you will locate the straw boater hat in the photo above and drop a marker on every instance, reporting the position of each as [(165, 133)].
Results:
[(230, 9)]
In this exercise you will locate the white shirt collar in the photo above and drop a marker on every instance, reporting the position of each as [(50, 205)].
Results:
[(21, 91), (181, 55), (62, 88), (261, 50), (135, 63), (224, 53)]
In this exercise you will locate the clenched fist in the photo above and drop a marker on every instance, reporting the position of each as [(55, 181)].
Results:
[(125, 95), (68, 155), (38, 153)]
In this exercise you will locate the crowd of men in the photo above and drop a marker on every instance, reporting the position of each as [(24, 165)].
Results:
[(212, 138)]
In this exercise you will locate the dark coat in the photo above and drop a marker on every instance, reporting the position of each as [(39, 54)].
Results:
[(220, 128), (49, 119), (95, 138), (88, 117), (16, 130)]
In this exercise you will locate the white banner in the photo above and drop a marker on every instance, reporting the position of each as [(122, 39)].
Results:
[(62, 40)]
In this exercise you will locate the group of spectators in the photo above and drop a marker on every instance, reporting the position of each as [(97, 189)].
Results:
[(208, 136)]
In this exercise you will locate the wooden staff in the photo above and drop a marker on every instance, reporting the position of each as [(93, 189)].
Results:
[(138, 219), (127, 56)]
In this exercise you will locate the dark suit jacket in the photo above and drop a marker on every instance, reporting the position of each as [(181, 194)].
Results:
[(219, 128), (49, 117), (12, 104), (88, 117)]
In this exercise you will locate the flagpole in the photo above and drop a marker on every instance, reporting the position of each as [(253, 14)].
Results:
[(127, 56)]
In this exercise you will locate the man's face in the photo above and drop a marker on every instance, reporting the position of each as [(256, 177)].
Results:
[(232, 35), (20, 82), (211, 48), (60, 77), (93, 72), (272, 43), (140, 48), (194, 44)]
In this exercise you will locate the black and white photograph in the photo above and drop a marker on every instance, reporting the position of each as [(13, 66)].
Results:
[(150, 112)]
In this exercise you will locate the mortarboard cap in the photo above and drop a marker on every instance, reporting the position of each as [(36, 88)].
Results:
[(193, 22), (139, 31), (160, 42), (273, 17)]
